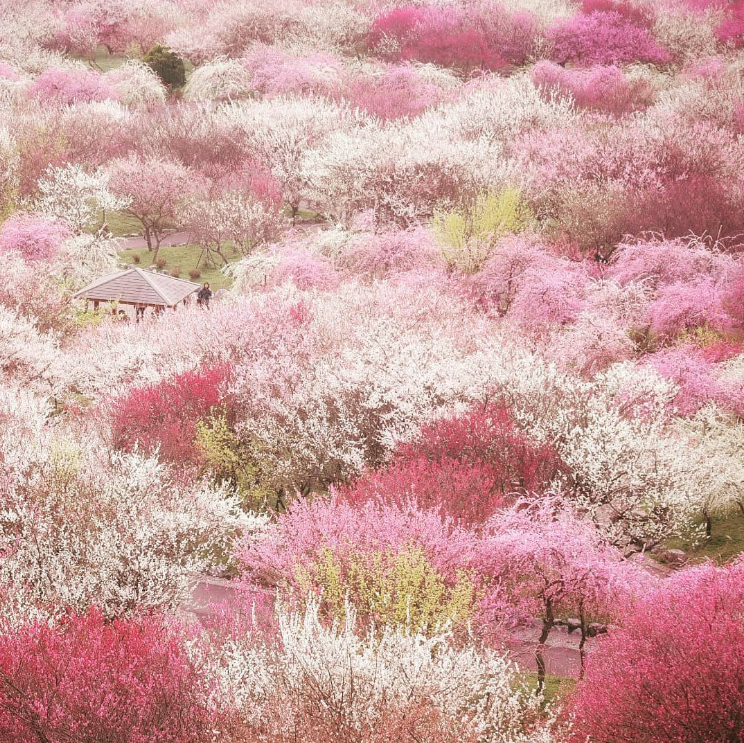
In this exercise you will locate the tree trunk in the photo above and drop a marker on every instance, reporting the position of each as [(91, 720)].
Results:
[(539, 651), (158, 237), (582, 642), (219, 252), (708, 524)]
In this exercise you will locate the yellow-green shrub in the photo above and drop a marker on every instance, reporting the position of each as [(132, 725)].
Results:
[(400, 588), (228, 459), (468, 235)]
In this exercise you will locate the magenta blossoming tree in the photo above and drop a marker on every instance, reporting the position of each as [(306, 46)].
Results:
[(604, 37), (673, 671), (130, 681), (35, 237), (466, 467)]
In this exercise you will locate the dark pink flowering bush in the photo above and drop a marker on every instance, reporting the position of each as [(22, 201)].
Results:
[(733, 297), (603, 37), (550, 297), (464, 491), (35, 237), (637, 13), (674, 670), (599, 88), (731, 31), (466, 467), (658, 263), (399, 92), (93, 681), (163, 417), (699, 380), (679, 307), (444, 36)]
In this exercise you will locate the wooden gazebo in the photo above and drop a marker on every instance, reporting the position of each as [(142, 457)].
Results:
[(138, 288)]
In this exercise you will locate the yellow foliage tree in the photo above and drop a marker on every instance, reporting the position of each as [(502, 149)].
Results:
[(400, 588), (467, 236)]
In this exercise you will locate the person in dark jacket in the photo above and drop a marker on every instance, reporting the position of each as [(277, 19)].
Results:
[(204, 295)]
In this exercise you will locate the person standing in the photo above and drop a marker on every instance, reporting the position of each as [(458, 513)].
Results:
[(204, 295)]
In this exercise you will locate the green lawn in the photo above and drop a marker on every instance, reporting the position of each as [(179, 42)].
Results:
[(104, 61), (184, 256), (120, 224), (306, 215), (726, 542), (556, 687)]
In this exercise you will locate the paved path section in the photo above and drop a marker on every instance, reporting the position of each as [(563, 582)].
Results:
[(212, 596), (137, 242)]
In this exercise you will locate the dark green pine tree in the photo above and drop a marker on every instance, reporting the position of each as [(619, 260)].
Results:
[(167, 65)]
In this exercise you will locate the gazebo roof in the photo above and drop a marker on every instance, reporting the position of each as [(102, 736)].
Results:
[(135, 286)]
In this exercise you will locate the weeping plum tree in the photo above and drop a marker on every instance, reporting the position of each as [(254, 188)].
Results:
[(550, 564)]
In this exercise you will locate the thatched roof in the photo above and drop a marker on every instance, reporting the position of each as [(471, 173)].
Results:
[(135, 286)]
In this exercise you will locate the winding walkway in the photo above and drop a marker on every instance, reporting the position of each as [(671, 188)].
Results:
[(137, 242), (211, 596)]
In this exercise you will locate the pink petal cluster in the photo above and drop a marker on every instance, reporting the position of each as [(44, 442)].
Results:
[(35, 237), (61, 86)]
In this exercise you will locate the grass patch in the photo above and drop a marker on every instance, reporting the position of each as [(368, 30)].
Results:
[(120, 224), (556, 687), (725, 543), (103, 61), (304, 215), (184, 256)]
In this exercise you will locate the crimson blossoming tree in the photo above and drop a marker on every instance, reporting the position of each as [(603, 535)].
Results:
[(478, 38), (129, 681), (674, 671), (163, 417), (466, 467)]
